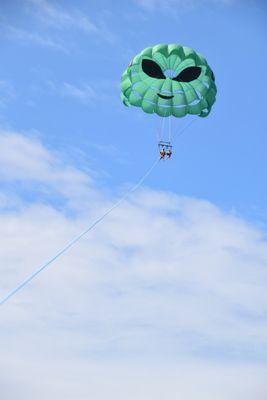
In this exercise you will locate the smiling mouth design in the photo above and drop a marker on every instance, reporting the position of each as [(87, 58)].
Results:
[(165, 97)]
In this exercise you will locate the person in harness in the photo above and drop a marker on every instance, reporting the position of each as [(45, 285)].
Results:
[(165, 150), (168, 153), (162, 153)]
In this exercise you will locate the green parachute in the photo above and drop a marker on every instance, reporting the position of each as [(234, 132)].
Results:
[(169, 79)]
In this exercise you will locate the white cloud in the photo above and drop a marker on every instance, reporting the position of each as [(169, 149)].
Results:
[(180, 6), (166, 298), (25, 160), (26, 37), (169, 5), (45, 22), (68, 19), (61, 19), (113, 380), (84, 92)]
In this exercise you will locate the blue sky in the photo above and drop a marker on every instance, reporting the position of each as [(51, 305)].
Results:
[(64, 80), (174, 282)]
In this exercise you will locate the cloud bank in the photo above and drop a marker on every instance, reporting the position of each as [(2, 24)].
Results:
[(166, 298)]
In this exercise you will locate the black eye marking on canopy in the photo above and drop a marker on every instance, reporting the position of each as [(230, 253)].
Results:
[(212, 76), (152, 69), (188, 74)]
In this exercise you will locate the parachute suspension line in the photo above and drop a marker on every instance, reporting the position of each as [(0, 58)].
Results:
[(170, 129), (160, 130), (78, 237), (179, 133)]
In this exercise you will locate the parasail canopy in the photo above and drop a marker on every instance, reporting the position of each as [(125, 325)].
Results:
[(169, 79)]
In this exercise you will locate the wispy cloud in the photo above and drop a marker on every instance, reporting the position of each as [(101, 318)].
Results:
[(84, 92), (49, 25), (61, 18), (68, 19), (154, 5), (27, 37), (179, 6)]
